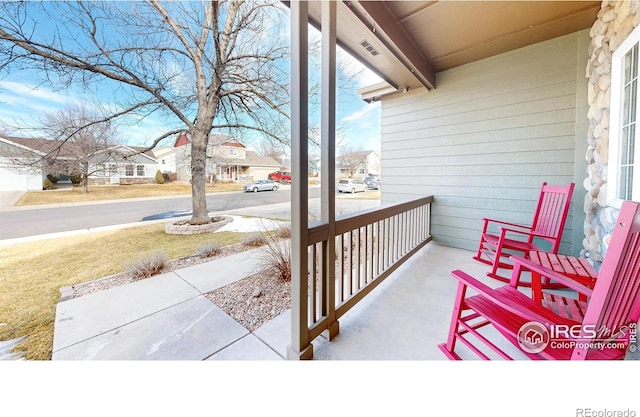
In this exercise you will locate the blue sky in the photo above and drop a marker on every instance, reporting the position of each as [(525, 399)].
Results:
[(24, 98)]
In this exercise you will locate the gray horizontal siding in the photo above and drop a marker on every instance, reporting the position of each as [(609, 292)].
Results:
[(483, 142)]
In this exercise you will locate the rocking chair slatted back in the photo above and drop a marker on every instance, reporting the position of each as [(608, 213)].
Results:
[(551, 213)]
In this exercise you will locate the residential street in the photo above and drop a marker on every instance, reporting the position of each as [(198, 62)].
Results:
[(36, 220)]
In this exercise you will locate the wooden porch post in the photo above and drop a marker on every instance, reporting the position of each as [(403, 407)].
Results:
[(300, 347), (328, 163)]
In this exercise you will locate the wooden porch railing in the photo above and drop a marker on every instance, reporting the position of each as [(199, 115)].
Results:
[(362, 250)]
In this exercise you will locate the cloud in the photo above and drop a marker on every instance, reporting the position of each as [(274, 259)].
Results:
[(21, 92), (360, 114)]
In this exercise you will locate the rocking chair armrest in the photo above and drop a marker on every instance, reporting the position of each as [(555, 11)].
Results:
[(506, 230), (546, 272), (487, 220), (491, 294)]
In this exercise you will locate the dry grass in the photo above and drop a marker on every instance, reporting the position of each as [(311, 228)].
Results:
[(116, 192), (31, 274)]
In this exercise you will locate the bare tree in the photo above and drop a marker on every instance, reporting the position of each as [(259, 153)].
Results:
[(78, 142), (268, 148), (351, 160), (198, 65), (83, 142)]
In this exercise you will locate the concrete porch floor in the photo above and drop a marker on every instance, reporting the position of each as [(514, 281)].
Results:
[(408, 315)]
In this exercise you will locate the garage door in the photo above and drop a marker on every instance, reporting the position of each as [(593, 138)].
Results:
[(19, 179), (261, 173)]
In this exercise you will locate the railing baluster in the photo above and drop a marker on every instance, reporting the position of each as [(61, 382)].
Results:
[(370, 253), (340, 267), (350, 250), (314, 282), (379, 240)]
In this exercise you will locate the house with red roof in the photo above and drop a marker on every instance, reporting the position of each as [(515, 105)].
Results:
[(227, 160)]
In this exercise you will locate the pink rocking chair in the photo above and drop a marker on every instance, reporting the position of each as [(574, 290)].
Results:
[(604, 331), (548, 224)]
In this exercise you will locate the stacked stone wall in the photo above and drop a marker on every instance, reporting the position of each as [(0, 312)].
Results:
[(616, 20)]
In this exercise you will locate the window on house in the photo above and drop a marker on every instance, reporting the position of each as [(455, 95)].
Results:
[(624, 155), (128, 170), (233, 151), (140, 170)]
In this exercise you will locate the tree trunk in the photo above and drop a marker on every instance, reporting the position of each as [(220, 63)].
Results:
[(85, 177), (198, 178)]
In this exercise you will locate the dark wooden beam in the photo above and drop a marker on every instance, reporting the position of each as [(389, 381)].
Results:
[(383, 25)]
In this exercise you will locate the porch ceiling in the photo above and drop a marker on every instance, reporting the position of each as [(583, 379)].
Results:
[(408, 42)]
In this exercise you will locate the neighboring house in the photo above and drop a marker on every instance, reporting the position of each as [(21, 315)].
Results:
[(24, 163), (166, 158), (127, 165), (227, 160), (14, 176), (358, 164)]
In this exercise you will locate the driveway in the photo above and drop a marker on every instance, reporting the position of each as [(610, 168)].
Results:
[(9, 198)]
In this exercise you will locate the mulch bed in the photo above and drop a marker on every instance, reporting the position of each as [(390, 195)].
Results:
[(254, 300)]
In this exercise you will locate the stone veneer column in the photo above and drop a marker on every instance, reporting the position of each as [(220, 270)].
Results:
[(616, 19)]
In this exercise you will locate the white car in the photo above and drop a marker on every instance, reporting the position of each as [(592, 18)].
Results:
[(351, 186), (261, 185)]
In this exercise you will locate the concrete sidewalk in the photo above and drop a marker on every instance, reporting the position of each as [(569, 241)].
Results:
[(167, 317)]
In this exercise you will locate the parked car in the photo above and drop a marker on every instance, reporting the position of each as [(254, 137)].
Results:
[(283, 177), (373, 183), (261, 185), (351, 186)]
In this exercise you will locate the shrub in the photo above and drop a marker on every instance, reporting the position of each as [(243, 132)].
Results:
[(159, 177), (254, 240), (48, 185), (276, 257), (148, 266), (283, 232), (52, 178), (75, 178), (208, 249)]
